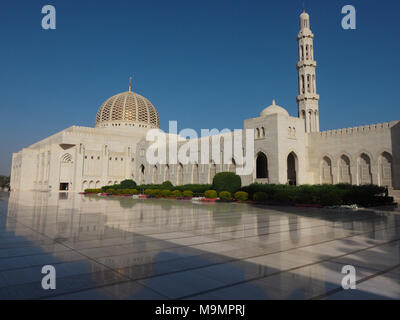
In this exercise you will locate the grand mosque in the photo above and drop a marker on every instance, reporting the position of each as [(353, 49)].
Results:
[(287, 149)]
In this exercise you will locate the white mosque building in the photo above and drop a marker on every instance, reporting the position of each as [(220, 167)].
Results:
[(287, 149)]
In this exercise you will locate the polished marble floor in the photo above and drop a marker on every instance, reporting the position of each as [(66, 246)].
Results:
[(120, 248)]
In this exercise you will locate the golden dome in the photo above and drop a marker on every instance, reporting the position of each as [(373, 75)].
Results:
[(128, 107)]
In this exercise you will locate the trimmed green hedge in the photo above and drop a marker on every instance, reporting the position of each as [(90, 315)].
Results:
[(93, 191), (326, 195), (241, 196), (188, 194), (225, 196), (260, 196), (176, 193), (227, 181), (211, 194)]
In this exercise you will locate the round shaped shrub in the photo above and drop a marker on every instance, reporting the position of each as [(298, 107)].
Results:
[(176, 193), (260, 197), (128, 184), (225, 196), (211, 194), (241, 196), (109, 191), (188, 194), (165, 193), (157, 193), (227, 181), (166, 185), (149, 192)]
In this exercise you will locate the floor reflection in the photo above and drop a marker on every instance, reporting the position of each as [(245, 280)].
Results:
[(120, 248)]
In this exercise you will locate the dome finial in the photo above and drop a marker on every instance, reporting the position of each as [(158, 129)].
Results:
[(130, 84), (273, 102)]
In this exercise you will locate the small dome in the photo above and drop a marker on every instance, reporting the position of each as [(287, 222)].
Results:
[(273, 109), (128, 107)]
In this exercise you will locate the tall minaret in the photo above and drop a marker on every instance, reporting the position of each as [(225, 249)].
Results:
[(307, 100)]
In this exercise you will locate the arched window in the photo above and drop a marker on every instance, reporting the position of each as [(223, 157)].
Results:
[(344, 169), (213, 171), (292, 168), (313, 82), (261, 166), (263, 131), (385, 169), (141, 174), (257, 132), (155, 175), (166, 172), (84, 185), (326, 171), (195, 173), (364, 169), (232, 166), (179, 174)]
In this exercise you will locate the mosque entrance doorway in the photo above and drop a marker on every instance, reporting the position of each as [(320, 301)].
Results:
[(64, 186), (292, 169)]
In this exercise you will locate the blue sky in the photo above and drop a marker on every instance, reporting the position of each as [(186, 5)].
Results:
[(206, 64)]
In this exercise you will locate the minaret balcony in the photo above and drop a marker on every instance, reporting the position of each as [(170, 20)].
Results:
[(306, 63), (307, 96), (305, 33)]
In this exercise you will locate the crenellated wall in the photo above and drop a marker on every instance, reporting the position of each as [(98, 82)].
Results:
[(369, 152)]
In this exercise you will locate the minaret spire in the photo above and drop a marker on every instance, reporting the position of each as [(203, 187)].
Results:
[(307, 99), (130, 84)]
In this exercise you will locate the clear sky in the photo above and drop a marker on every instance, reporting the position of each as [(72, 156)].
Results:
[(206, 64)]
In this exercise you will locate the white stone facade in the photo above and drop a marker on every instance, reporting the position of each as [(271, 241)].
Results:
[(286, 149)]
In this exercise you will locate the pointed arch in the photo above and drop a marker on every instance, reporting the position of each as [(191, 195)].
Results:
[(326, 171), (344, 169), (195, 173), (261, 166), (292, 168), (166, 172), (385, 172), (141, 174), (232, 166), (155, 175), (364, 169), (212, 171), (179, 174), (84, 185)]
